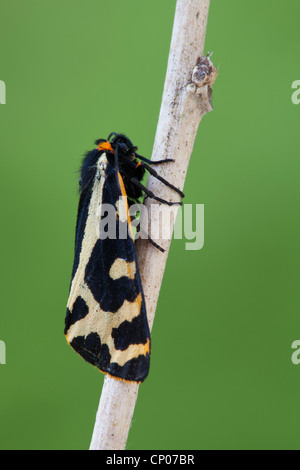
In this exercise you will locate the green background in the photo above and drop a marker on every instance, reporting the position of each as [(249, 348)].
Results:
[(221, 371)]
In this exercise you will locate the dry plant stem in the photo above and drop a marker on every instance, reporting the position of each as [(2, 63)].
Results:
[(186, 98)]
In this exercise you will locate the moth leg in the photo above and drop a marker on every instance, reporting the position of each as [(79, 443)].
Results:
[(156, 175), (150, 193), (138, 227), (158, 162), (146, 164)]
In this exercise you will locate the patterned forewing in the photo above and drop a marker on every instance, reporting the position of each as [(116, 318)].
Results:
[(106, 319)]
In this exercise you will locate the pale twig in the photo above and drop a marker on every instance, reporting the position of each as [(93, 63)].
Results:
[(186, 98)]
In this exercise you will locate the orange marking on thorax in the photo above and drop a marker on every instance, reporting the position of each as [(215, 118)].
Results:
[(106, 146)]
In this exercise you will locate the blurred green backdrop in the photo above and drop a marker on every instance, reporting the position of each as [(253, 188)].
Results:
[(221, 372)]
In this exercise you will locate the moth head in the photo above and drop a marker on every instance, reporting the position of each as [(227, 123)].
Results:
[(117, 143), (122, 144)]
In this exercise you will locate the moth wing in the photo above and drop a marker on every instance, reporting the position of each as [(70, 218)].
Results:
[(106, 320)]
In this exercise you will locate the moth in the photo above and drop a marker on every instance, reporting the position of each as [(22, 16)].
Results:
[(106, 320)]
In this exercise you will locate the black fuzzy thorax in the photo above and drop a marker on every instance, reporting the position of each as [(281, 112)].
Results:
[(124, 160)]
